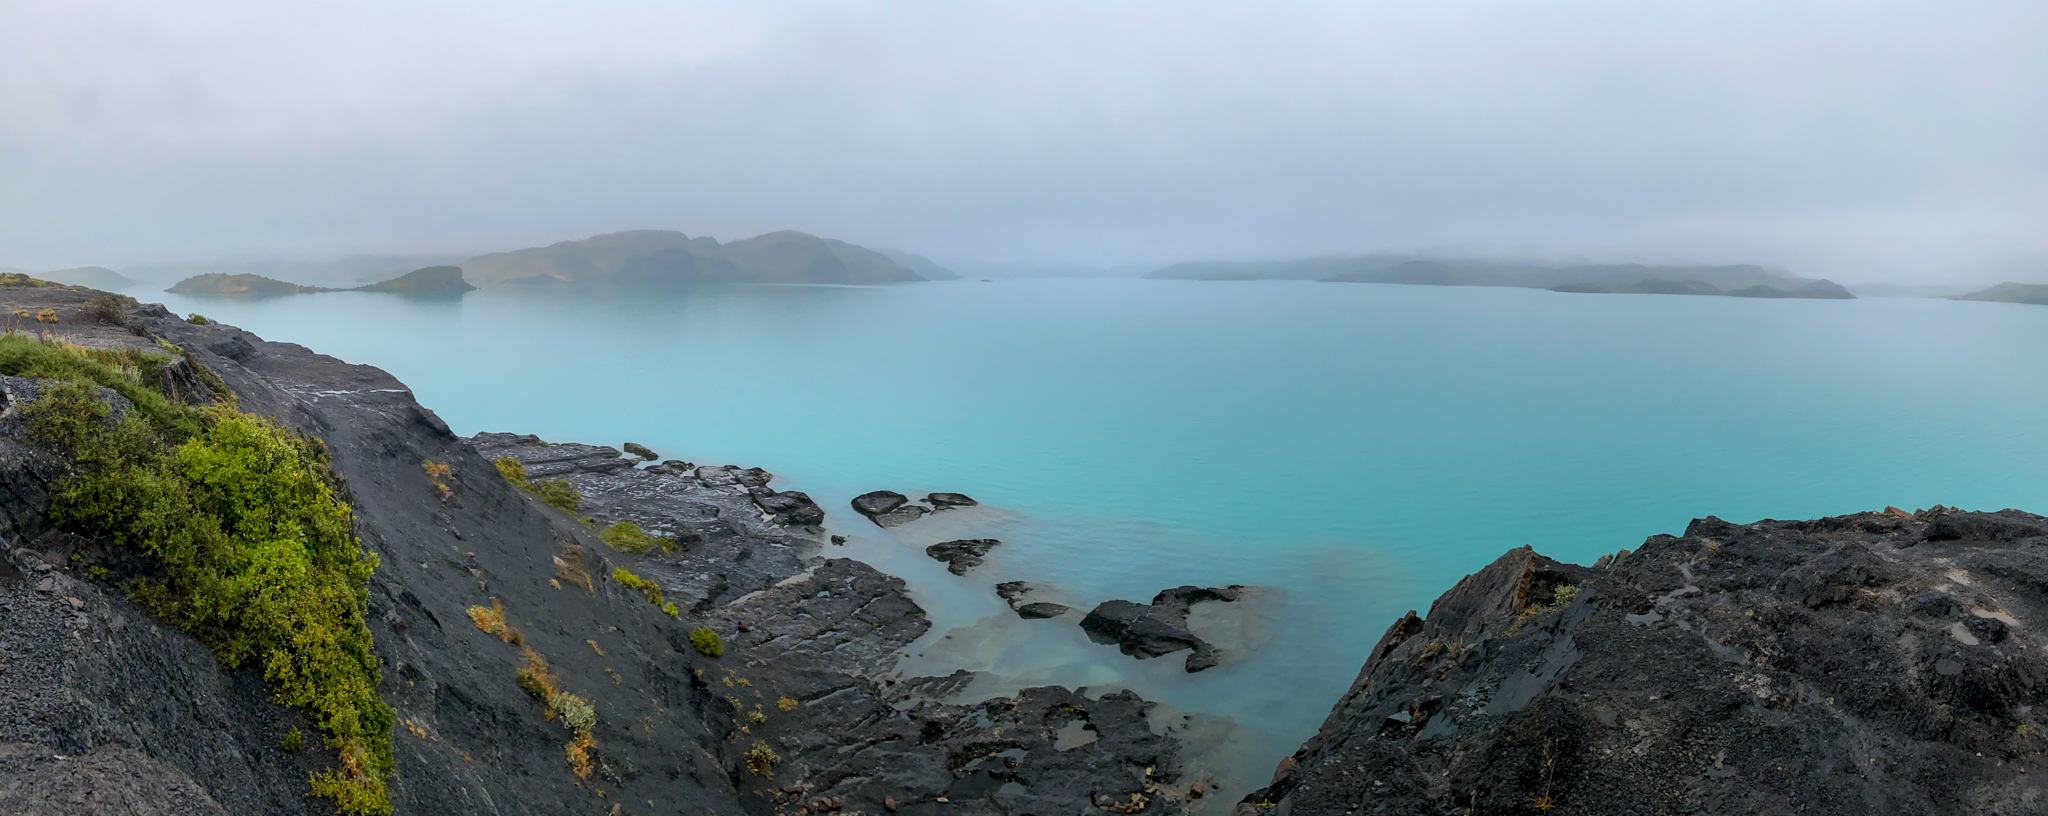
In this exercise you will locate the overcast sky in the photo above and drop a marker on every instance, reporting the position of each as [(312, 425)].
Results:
[(1860, 140)]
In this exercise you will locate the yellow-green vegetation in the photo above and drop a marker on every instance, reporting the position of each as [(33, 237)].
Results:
[(577, 713), (554, 493), (706, 642), (569, 568), (198, 319), (626, 536), (293, 740), (631, 581), (492, 620), (1563, 595), (253, 544), (437, 475), (786, 704), (670, 610), (761, 759)]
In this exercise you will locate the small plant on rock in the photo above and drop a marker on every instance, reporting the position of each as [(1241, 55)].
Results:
[(198, 319), (626, 536), (761, 759), (630, 581), (437, 475), (706, 642)]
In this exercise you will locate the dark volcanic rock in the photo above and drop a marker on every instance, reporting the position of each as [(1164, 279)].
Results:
[(888, 508), (1873, 663), (548, 461), (946, 501), (789, 507), (1158, 628), (645, 453), (962, 555), (1041, 609), (878, 502)]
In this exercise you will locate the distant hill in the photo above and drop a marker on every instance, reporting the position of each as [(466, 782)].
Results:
[(1812, 290), (431, 280), (354, 270), (220, 283), (1389, 268), (920, 264), (97, 277), (2009, 292), (664, 257)]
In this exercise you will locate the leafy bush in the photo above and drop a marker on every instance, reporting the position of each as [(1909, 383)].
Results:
[(293, 740), (556, 493), (109, 309), (761, 759), (706, 642), (671, 610), (631, 581), (198, 319), (255, 548), (626, 536)]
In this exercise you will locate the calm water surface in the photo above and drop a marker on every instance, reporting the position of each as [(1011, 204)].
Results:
[(1356, 448)]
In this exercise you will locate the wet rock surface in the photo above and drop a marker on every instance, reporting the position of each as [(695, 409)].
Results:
[(103, 710), (1873, 663), (948, 501), (1019, 595), (1160, 627), (888, 508), (963, 554)]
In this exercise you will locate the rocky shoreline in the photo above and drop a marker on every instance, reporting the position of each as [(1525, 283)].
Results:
[(1877, 662)]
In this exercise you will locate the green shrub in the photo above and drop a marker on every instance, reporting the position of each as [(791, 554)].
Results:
[(631, 581), (293, 740), (198, 319), (626, 536), (254, 547), (706, 642), (671, 610), (130, 372), (761, 759), (555, 493), (1564, 595), (109, 308), (558, 494)]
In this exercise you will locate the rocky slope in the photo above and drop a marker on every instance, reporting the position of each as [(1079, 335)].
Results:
[(104, 710), (1874, 663)]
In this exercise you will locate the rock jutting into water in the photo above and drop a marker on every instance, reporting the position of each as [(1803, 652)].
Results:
[(1161, 627), (888, 508), (962, 555), (1017, 593), (1872, 663), (645, 453), (529, 665)]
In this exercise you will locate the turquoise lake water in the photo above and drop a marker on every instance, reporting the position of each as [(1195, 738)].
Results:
[(1354, 448)]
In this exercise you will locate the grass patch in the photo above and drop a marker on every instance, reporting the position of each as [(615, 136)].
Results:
[(706, 642), (554, 493), (626, 536), (492, 621), (437, 475), (571, 568), (130, 372), (253, 543)]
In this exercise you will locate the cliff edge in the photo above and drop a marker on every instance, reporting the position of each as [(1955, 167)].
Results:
[(1872, 663)]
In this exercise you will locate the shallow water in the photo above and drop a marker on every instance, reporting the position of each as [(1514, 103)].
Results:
[(1356, 448)]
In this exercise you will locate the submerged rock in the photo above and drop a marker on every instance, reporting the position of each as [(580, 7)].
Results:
[(1042, 609), (1873, 663), (1158, 628), (962, 555), (947, 501)]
